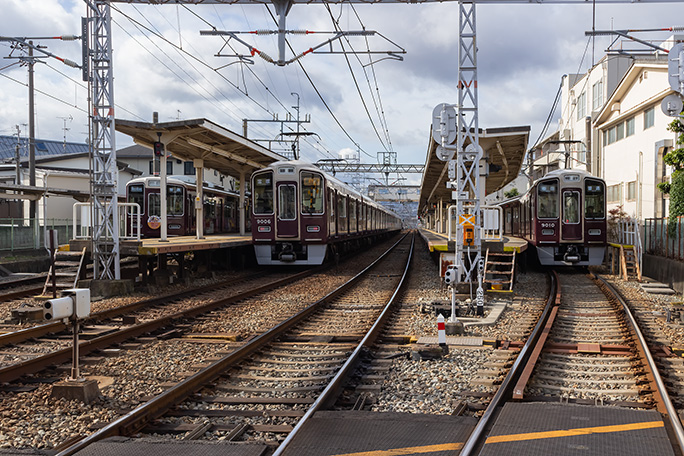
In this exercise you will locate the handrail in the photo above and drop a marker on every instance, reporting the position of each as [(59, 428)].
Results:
[(129, 222)]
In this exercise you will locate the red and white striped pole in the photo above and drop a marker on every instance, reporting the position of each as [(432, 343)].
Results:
[(441, 331)]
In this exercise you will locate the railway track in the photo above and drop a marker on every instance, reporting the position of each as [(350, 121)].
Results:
[(587, 348), (274, 379)]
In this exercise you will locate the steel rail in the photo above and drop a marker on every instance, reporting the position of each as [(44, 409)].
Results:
[(330, 393), (138, 418), (37, 331), (508, 383), (670, 411), (12, 295), (34, 365)]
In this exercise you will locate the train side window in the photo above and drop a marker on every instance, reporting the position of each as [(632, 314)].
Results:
[(312, 193), (263, 193), (136, 194), (287, 200), (547, 201), (594, 199), (571, 207), (342, 212)]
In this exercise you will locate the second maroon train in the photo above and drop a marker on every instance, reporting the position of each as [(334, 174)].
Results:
[(563, 216)]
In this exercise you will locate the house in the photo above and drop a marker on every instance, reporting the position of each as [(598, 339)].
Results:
[(634, 138)]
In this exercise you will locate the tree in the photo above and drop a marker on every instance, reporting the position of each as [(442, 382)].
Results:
[(675, 188), (511, 193)]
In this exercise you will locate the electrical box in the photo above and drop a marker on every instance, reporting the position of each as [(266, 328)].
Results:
[(81, 298), (467, 223)]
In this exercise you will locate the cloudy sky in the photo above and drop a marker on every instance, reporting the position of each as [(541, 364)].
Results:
[(524, 50)]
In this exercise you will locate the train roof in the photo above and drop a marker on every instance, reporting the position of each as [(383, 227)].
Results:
[(561, 172), (338, 184), (185, 181)]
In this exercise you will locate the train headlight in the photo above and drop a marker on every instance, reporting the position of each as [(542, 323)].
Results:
[(264, 229), (595, 232), (313, 229), (548, 232)]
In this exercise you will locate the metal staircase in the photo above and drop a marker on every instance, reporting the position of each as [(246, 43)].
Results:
[(499, 271), (66, 271)]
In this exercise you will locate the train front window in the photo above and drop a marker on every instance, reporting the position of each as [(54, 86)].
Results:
[(153, 204), (571, 207), (594, 200), (547, 199), (312, 193), (174, 200), (136, 194), (287, 202), (263, 193)]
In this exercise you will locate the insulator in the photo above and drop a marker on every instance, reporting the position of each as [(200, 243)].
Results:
[(298, 32), (71, 63), (266, 57), (69, 37), (263, 32), (360, 33), (678, 29)]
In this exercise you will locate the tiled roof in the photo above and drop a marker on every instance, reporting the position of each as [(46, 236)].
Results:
[(44, 148)]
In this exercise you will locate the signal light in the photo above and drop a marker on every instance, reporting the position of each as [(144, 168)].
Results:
[(158, 148)]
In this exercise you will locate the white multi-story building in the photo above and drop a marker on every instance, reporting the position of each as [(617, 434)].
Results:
[(633, 140)]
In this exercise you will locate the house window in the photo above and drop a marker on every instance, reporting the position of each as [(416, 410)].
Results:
[(169, 167), (649, 118), (620, 131), (581, 105), (188, 168), (597, 95), (611, 135), (629, 127), (631, 191), (154, 167), (614, 193)]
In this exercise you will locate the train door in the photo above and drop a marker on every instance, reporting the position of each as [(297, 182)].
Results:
[(572, 225), (286, 210), (332, 229)]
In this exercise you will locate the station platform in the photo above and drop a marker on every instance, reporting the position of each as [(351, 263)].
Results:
[(354, 433), (541, 429), (155, 246), (176, 244), (438, 242)]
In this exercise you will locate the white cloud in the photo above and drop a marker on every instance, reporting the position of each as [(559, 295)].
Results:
[(523, 52)]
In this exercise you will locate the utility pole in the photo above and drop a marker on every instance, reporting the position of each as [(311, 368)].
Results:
[(32, 132), (295, 147), (17, 179)]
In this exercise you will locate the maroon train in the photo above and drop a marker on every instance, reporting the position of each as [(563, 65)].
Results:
[(301, 213), (220, 207), (563, 216)]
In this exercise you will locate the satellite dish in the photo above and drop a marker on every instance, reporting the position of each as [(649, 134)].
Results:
[(672, 105)]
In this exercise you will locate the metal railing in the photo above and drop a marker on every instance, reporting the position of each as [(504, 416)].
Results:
[(659, 241), (29, 233), (628, 232), (492, 223), (129, 221)]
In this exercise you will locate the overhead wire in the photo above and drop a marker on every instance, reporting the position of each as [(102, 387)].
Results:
[(356, 84), (45, 93), (320, 96), (381, 112), (306, 139)]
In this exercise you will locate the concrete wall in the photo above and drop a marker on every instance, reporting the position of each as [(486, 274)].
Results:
[(665, 270)]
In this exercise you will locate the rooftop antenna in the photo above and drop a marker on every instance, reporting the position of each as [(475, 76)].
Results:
[(64, 128)]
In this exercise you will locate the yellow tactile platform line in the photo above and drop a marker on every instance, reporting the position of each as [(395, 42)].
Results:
[(574, 432), (407, 451)]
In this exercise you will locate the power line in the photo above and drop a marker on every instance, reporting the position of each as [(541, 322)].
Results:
[(45, 93), (356, 84), (320, 96)]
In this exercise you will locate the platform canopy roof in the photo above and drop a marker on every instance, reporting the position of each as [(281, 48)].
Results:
[(34, 193), (503, 147), (221, 149)]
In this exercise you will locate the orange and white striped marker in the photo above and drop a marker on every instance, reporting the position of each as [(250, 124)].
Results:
[(441, 330)]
